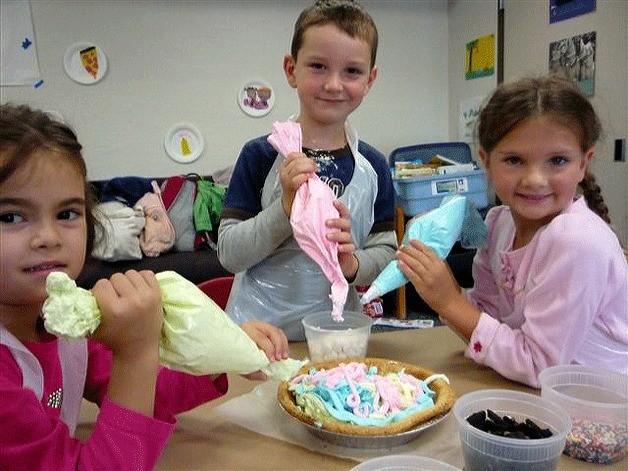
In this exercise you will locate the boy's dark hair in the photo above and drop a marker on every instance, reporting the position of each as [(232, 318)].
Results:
[(25, 131), (347, 15), (558, 98)]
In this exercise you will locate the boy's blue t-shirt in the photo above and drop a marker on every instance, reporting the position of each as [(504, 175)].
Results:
[(243, 199)]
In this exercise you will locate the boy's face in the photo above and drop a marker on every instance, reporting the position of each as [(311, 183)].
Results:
[(332, 74), (42, 228)]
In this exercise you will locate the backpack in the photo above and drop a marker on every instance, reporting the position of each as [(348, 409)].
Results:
[(158, 234), (178, 193)]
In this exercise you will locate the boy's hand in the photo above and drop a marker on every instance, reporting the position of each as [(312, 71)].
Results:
[(268, 338), (295, 169), (346, 247)]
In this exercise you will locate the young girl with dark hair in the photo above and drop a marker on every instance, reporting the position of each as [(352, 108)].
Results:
[(551, 283), (46, 225)]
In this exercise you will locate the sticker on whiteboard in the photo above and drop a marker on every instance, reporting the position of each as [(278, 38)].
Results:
[(184, 143), (455, 185), (256, 98), (85, 63)]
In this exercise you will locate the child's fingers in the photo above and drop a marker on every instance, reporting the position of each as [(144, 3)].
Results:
[(409, 272), (103, 288), (126, 283), (256, 376), (297, 164), (139, 288), (342, 225), (278, 348), (342, 209), (271, 340), (422, 249), (415, 259)]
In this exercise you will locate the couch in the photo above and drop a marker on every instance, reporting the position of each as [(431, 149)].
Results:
[(197, 265)]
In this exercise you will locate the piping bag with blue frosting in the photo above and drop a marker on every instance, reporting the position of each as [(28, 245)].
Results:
[(455, 219), (197, 336)]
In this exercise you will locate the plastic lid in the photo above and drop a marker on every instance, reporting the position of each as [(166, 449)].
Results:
[(403, 463)]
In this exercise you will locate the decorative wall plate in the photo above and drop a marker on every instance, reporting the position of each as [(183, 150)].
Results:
[(184, 143), (85, 63), (256, 98)]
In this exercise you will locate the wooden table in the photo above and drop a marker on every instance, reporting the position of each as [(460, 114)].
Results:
[(205, 441)]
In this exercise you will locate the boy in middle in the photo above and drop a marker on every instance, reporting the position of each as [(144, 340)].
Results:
[(332, 68)]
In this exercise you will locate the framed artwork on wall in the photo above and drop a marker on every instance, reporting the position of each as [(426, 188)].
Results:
[(574, 58), (480, 57), (560, 10)]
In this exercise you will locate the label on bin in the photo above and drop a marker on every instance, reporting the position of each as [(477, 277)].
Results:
[(455, 185)]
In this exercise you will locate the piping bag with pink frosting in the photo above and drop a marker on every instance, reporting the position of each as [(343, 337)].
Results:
[(312, 206)]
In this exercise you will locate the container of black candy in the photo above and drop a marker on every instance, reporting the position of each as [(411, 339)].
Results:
[(502, 429), (506, 426)]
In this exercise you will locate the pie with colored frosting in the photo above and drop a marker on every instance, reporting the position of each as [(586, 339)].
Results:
[(366, 396)]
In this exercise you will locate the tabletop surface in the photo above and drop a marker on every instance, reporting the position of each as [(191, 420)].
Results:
[(204, 440)]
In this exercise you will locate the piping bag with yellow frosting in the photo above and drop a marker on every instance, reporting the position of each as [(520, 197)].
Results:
[(197, 336), (455, 219)]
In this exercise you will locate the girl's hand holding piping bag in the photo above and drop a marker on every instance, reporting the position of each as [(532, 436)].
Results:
[(435, 283), (131, 323)]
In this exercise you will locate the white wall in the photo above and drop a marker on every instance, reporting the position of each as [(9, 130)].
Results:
[(527, 35), (184, 61), (467, 20)]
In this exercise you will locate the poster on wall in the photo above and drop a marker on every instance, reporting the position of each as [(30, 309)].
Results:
[(480, 57), (574, 58), (18, 61), (560, 10), (469, 112)]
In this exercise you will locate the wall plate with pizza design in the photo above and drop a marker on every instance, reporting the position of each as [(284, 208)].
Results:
[(184, 143), (85, 63)]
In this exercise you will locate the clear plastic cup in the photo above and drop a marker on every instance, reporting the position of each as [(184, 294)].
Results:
[(597, 401), (329, 340)]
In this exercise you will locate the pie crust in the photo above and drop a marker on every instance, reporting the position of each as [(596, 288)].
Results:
[(443, 401)]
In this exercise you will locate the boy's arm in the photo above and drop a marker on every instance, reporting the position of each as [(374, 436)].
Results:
[(242, 244), (378, 250)]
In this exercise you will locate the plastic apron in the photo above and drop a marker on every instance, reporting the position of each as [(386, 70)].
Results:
[(73, 358), (288, 284)]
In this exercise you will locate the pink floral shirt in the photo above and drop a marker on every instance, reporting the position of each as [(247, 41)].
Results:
[(560, 299)]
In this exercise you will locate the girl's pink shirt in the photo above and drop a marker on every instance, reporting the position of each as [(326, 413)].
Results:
[(34, 437), (560, 299)]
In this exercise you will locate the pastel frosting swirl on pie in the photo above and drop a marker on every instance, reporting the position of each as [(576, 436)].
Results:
[(366, 397)]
